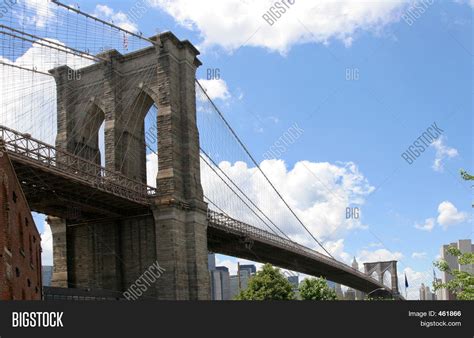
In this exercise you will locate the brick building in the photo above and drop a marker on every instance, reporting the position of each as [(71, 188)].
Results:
[(20, 248)]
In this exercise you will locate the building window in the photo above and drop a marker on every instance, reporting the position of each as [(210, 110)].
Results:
[(28, 282), (4, 215), (30, 248), (17, 272), (14, 197), (22, 239)]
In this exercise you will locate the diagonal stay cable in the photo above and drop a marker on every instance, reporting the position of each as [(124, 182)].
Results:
[(244, 194), (260, 169)]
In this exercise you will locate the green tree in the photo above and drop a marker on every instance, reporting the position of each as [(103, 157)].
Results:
[(462, 284), (467, 177), (316, 289), (268, 284)]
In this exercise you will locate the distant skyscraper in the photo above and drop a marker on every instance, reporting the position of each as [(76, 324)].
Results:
[(240, 281), (359, 295), (294, 281), (251, 268), (219, 278), (355, 265), (220, 283), (425, 293), (465, 246), (331, 284), (211, 261), (47, 274), (350, 294), (338, 290)]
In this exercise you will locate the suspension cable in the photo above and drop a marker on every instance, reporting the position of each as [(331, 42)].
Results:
[(260, 169)]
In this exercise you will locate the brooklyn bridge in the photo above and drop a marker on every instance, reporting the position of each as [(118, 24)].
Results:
[(108, 224)]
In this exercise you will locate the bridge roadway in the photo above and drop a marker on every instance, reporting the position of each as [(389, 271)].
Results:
[(56, 183), (234, 238)]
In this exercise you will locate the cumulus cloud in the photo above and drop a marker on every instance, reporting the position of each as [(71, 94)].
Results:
[(467, 2), (418, 255), (119, 18), (319, 193), (427, 226), (38, 13), (442, 152), (215, 89), (230, 24), (379, 255), (415, 278), (28, 101), (449, 215)]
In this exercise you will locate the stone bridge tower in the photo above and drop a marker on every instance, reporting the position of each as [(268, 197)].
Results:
[(112, 254), (381, 268)]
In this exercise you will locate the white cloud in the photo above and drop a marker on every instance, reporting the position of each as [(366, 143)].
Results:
[(449, 215), (415, 278), (40, 13), (318, 192), (468, 2), (216, 89), (427, 226), (379, 255), (47, 245), (28, 101), (151, 169), (442, 152), (232, 23), (119, 19), (418, 255)]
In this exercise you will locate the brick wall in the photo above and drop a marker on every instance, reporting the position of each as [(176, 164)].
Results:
[(20, 248)]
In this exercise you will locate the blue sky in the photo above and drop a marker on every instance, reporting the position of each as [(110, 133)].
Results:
[(407, 77)]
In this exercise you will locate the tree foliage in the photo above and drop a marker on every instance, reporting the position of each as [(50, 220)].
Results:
[(462, 284), (316, 289), (267, 284), (466, 176)]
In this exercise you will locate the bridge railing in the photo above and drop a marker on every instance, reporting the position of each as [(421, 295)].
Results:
[(227, 223), (37, 152)]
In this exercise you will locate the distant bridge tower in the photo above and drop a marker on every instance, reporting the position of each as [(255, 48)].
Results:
[(380, 268), (112, 254)]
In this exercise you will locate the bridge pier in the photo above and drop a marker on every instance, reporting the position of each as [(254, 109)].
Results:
[(58, 231), (182, 251)]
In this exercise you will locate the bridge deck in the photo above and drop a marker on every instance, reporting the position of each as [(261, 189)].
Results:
[(234, 238), (55, 181)]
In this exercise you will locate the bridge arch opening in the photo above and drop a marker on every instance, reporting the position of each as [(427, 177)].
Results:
[(387, 278), (375, 275), (141, 138), (151, 143), (88, 127), (102, 144)]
